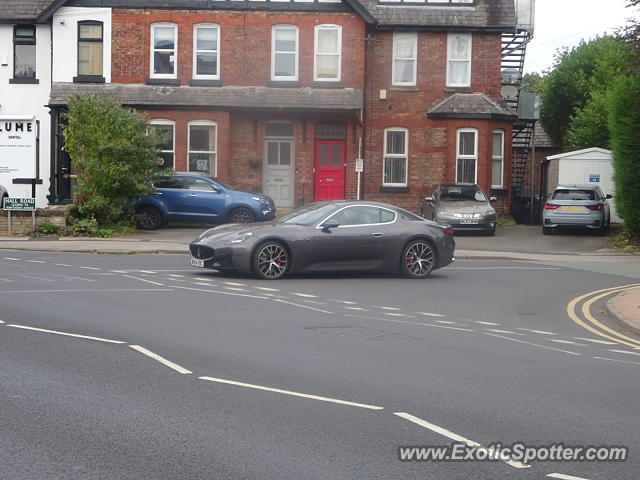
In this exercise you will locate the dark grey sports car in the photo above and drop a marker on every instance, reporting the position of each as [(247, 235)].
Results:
[(329, 236)]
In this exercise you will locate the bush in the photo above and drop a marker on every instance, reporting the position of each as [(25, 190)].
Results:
[(115, 157), (48, 228)]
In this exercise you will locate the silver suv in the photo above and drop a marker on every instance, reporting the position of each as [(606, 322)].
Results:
[(576, 206)]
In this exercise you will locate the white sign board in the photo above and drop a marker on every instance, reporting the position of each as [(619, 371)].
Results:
[(17, 148), (359, 165)]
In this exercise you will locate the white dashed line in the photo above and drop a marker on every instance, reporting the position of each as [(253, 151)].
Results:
[(289, 392), (346, 302), (144, 280), (624, 351), (358, 308), (267, 289), (160, 359), (446, 322), (495, 330), (220, 292), (562, 476), (148, 271), (616, 360), (302, 306), (427, 314), (176, 275), (62, 265), (392, 314), (56, 332), (203, 284), (568, 342), (457, 438), (90, 268), (485, 323), (389, 308), (236, 289), (306, 295), (532, 344), (235, 284), (409, 322), (2, 321), (13, 259), (200, 279), (35, 261), (594, 340), (541, 332)]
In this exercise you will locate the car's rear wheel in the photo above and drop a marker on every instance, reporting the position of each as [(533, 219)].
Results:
[(149, 218), (270, 260), (418, 259), (241, 215)]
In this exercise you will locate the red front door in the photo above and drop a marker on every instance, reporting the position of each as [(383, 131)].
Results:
[(330, 168)]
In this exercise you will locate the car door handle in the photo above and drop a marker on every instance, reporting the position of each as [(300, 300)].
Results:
[(157, 193), (192, 195), (377, 234)]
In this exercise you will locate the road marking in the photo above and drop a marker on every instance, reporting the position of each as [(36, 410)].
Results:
[(486, 323), (562, 476), (220, 292), (532, 344), (306, 295), (202, 279), (77, 290), (586, 310), (237, 289), (10, 258), (203, 284), (148, 271), (302, 306), (267, 289), (603, 342), (34, 277), (541, 332), (568, 342), (392, 314), (71, 278), (63, 265), (358, 308), (616, 360), (35, 261), (504, 268), (346, 302), (235, 284), (495, 330), (455, 437), (175, 275), (90, 268), (144, 280), (389, 308), (56, 332), (624, 351), (427, 314), (7, 280), (446, 322), (160, 359), (1, 321), (409, 322), (289, 392)]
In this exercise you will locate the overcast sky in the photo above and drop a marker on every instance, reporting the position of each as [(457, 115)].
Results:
[(563, 23)]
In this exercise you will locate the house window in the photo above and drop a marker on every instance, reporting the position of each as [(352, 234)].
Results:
[(164, 45), (459, 60), (405, 46), (395, 157), (24, 53), (328, 50), (497, 166), (202, 147), (90, 42), (467, 155), (166, 130), (284, 54), (206, 51)]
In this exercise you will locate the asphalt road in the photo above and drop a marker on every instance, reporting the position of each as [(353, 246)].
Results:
[(321, 377)]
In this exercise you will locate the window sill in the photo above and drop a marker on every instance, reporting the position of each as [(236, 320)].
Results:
[(199, 82), (328, 84), (459, 89), (389, 189), (24, 81), (404, 88), (285, 83), (162, 81), (499, 191), (88, 79)]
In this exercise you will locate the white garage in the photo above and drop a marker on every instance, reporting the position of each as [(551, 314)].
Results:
[(591, 166)]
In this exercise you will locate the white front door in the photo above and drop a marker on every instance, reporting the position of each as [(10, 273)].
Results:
[(278, 171)]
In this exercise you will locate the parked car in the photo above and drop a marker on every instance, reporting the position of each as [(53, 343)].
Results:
[(3, 194), (464, 207), (577, 206), (329, 236), (192, 197)]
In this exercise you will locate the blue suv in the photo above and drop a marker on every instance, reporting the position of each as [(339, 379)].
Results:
[(191, 197)]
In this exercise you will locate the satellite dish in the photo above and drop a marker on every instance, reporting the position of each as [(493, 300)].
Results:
[(509, 92)]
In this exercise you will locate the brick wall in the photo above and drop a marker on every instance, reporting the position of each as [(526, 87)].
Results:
[(21, 222), (245, 44)]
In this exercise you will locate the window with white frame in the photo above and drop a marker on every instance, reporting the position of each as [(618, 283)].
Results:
[(497, 164), (405, 46), (206, 51), (164, 48), (328, 53), (466, 155), (459, 60), (396, 141), (166, 130), (202, 147), (284, 52)]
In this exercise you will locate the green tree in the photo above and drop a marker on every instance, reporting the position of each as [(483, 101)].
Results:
[(574, 89), (114, 154), (533, 82)]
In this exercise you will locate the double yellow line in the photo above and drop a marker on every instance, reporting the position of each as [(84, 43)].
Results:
[(593, 325)]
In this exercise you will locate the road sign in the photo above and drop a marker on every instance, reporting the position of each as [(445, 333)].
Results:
[(20, 204), (359, 165), (594, 178)]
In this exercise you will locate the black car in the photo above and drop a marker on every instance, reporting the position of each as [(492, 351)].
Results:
[(329, 236), (3, 194), (464, 207)]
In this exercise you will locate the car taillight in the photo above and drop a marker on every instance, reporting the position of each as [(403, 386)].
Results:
[(448, 231), (599, 206), (550, 206)]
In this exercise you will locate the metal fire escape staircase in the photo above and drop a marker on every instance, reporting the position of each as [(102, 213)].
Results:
[(514, 46)]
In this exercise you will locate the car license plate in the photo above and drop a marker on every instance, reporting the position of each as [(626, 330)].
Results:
[(197, 262), (469, 222), (570, 208)]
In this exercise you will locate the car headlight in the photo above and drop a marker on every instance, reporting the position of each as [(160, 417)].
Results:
[(261, 200), (241, 238)]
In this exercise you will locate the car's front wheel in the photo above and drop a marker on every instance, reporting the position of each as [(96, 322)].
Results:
[(241, 215), (149, 218), (418, 259), (270, 260)]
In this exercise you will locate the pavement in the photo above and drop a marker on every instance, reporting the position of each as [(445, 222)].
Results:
[(575, 249)]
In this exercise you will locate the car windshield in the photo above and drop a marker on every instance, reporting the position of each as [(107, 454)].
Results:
[(572, 194), (308, 215), (460, 193)]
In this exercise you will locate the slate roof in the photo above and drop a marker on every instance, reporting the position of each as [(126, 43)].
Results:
[(163, 96), (542, 138), (22, 10), (486, 14), (471, 106)]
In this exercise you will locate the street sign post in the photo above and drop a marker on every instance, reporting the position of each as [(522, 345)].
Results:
[(18, 204)]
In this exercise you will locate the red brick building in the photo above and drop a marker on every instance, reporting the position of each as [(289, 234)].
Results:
[(284, 97)]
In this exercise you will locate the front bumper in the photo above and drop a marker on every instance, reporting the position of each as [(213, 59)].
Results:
[(463, 225), (221, 258)]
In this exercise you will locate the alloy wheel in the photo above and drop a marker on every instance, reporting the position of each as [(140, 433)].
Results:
[(272, 261), (419, 259)]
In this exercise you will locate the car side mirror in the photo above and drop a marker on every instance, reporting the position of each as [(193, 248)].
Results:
[(493, 199), (429, 199), (215, 189), (609, 196), (328, 225)]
